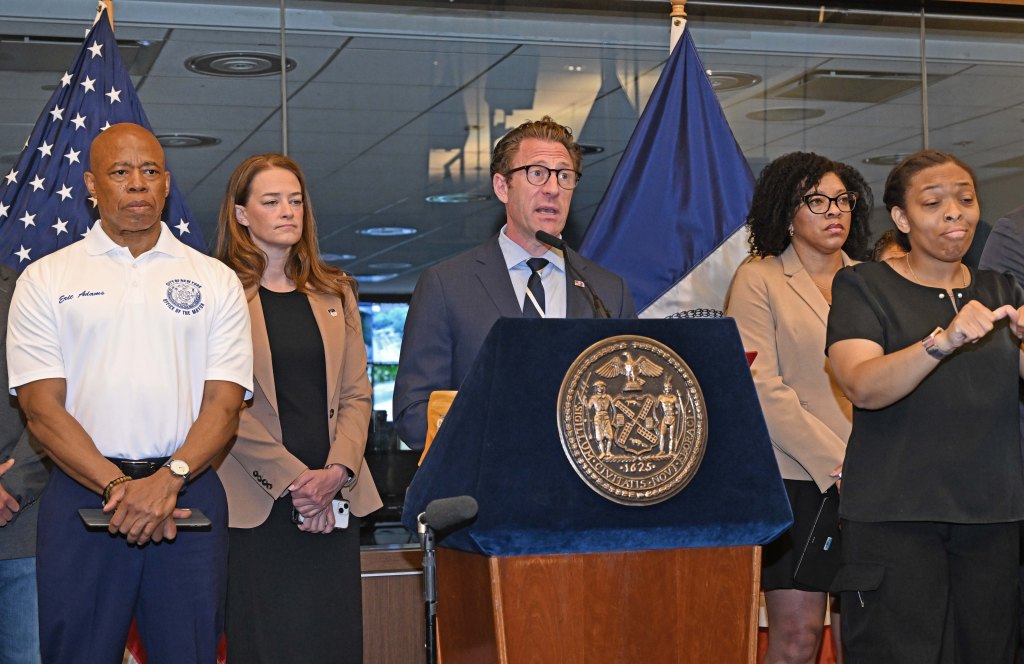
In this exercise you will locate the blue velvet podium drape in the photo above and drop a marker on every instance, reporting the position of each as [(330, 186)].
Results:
[(500, 444)]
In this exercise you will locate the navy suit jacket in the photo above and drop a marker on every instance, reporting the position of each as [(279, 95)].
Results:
[(453, 307), (1004, 252)]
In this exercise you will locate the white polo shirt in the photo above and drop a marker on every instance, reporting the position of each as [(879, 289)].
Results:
[(135, 338)]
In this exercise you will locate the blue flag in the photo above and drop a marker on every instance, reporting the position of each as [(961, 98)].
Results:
[(680, 193), (44, 204)]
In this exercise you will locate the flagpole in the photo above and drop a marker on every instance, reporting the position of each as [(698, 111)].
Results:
[(284, 83), (678, 22), (109, 4)]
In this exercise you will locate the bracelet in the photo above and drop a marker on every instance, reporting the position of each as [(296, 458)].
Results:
[(110, 486)]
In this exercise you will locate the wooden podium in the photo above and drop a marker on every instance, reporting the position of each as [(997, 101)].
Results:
[(676, 606), (553, 573)]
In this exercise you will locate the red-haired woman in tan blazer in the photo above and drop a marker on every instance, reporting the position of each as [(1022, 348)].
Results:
[(294, 588)]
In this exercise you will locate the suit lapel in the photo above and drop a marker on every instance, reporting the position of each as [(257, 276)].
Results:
[(331, 320), (493, 276), (263, 365), (577, 304), (801, 282)]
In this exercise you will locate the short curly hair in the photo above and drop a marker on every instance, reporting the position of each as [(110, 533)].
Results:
[(546, 129), (777, 197)]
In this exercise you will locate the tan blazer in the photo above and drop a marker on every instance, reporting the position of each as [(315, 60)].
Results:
[(257, 469), (782, 315)]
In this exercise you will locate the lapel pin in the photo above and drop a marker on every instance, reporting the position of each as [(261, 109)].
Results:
[(579, 283), (332, 311)]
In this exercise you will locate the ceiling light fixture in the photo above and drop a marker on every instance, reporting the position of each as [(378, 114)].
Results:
[(886, 159), (337, 258), (237, 63), (793, 114), (457, 198), (727, 81), (386, 231), (186, 140), (390, 266), (374, 278), (864, 87)]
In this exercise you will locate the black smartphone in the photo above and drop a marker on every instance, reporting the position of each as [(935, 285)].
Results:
[(96, 519)]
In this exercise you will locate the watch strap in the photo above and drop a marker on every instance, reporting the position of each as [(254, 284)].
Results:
[(931, 345), (351, 476)]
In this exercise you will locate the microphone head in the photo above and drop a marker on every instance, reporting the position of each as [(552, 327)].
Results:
[(548, 238), (445, 513)]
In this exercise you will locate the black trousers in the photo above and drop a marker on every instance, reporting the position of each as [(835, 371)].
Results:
[(929, 592)]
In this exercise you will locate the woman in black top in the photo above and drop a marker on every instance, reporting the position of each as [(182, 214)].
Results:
[(928, 351), (294, 589)]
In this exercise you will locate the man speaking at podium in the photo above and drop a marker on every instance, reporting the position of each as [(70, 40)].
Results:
[(534, 170)]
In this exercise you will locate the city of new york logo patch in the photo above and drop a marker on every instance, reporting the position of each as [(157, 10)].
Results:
[(184, 297)]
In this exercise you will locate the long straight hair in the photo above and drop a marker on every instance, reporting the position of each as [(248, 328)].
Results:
[(237, 250)]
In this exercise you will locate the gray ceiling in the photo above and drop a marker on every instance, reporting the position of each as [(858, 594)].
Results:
[(391, 103)]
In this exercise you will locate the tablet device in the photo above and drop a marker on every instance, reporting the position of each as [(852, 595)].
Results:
[(96, 519)]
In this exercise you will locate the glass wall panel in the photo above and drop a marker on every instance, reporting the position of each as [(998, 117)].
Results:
[(393, 107)]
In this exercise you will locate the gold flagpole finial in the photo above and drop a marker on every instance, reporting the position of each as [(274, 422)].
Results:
[(678, 10), (109, 6)]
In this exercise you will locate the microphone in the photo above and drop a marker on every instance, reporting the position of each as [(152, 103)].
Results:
[(445, 513), (439, 515), (596, 305)]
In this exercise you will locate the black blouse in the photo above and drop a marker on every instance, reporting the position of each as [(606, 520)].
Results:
[(300, 374), (949, 451)]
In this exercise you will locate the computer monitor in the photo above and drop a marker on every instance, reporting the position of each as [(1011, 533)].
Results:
[(383, 324)]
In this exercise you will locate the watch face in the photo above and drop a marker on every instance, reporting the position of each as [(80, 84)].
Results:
[(179, 467)]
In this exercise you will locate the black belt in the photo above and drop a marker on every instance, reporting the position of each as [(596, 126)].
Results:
[(139, 468)]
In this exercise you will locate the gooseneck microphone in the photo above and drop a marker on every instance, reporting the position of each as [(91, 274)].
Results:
[(440, 515), (444, 513), (596, 305)]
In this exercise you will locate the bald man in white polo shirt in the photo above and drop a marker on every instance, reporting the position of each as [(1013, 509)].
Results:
[(130, 354)]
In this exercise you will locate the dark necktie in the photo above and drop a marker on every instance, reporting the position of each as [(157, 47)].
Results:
[(535, 286)]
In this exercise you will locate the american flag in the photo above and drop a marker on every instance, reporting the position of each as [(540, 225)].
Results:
[(44, 204)]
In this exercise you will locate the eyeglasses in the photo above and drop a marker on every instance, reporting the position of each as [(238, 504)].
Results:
[(820, 203), (539, 175)]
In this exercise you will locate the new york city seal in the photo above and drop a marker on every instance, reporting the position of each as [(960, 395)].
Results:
[(632, 420)]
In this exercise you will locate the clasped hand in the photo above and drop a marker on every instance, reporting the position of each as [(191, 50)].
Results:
[(144, 510), (312, 494)]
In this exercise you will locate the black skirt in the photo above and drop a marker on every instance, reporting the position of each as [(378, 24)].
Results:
[(293, 596)]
